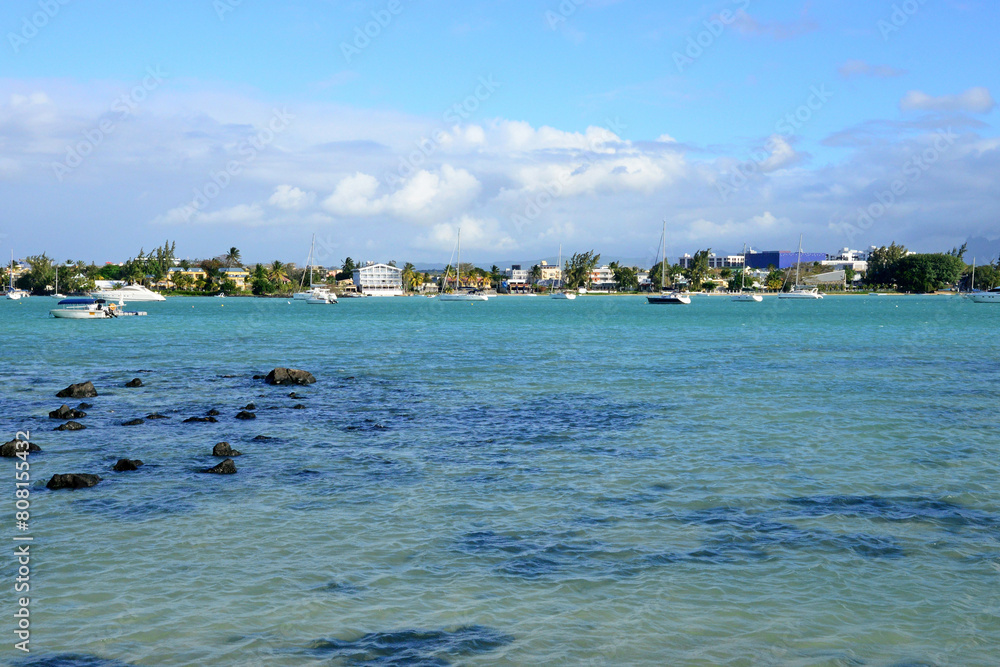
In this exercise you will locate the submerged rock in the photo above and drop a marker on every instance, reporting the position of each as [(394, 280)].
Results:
[(84, 406), (298, 406), (243, 414), (72, 481), (213, 413), (250, 406), (289, 376), (134, 382), (156, 415), (259, 377), (10, 449), (200, 419), (70, 426), (66, 412), (261, 438), (225, 449), (295, 395), (227, 467), (79, 390), (126, 465), (134, 422)]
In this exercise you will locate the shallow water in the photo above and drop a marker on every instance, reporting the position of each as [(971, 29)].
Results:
[(522, 481)]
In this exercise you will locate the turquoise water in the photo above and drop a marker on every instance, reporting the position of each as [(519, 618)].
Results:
[(523, 481)]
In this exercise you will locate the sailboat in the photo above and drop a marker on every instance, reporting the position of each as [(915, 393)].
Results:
[(665, 297), (800, 291), (459, 295), (13, 293), (991, 296), (317, 294), (562, 294), (743, 295), (56, 294)]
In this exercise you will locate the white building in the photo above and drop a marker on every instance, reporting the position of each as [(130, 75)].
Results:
[(379, 279), (603, 278), (517, 278)]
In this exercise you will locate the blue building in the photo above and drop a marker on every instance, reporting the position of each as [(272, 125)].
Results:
[(781, 259)]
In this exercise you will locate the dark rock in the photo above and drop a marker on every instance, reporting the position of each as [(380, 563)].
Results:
[(10, 449), (134, 382), (156, 415), (262, 438), (298, 406), (259, 377), (289, 376), (80, 390), (126, 465), (295, 395), (224, 449), (213, 413), (66, 412), (201, 419), (227, 467), (84, 406), (243, 414), (250, 406), (70, 426), (72, 481), (349, 377), (134, 422)]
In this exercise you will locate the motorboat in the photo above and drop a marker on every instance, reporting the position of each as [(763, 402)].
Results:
[(471, 295), (134, 292), (992, 296), (321, 297), (84, 309)]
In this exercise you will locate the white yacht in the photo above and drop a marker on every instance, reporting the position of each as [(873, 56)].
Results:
[(665, 297), (458, 294), (84, 309), (993, 296), (134, 292), (800, 291)]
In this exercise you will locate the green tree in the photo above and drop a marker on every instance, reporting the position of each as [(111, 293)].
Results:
[(627, 277), (577, 271), (928, 272), (775, 279), (232, 257), (535, 274), (849, 274), (346, 270), (883, 265), (698, 271), (40, 276), (409, 277)]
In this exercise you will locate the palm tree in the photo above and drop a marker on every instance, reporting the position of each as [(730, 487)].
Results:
[(409, 277), (277, 271), (233, 257)]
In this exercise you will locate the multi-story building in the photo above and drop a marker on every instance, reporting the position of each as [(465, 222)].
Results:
[(781, 259), (603, 278), (518, 279), (379, 279), (551, 274), (238, 275)]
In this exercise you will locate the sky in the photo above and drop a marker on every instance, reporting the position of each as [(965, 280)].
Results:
[(384, 127)]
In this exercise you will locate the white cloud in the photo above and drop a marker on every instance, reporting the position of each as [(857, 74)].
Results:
[(291, 198), (782, 154), (484, 234), (976, 100), (854, 68), (424, 196)]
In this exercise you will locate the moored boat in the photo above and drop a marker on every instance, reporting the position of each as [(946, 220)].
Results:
[(134, 292)]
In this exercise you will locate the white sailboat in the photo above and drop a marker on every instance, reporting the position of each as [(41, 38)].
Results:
[(800, 291), (317, 294), (57, 295), (665, 297), (12, 293), (562, 294), (991, 296), (458, 294), (744, 296)]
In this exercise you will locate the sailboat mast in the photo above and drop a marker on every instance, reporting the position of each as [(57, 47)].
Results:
[(458, 278), (972, 287), (743, 268), (562, 282), (798, 260), (663, 258)]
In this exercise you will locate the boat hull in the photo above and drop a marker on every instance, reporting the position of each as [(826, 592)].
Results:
[(128, 295), (669, 300), (748, 298), (801, 294), (463, 297), (67, 314), (987, 297), (566, 296)]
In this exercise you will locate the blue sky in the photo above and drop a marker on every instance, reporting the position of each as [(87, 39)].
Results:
[(217, 123)]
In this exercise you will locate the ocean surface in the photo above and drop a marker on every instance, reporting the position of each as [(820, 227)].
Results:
[(523, 481)]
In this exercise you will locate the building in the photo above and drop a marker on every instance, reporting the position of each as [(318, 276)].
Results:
[(379, 279), (551, 274), (238, 275), (714, 261), (603, 278), (780, 259), (194, 273), (517, 279)]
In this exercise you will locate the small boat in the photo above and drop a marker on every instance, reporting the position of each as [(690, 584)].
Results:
[(800, 291), (458, 294), (134, 292), (220, 295), (56, 294), (84, 308), (744, 296), (992, 296), (13, 293), (562, 294), (665, 297), (323, 298)]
